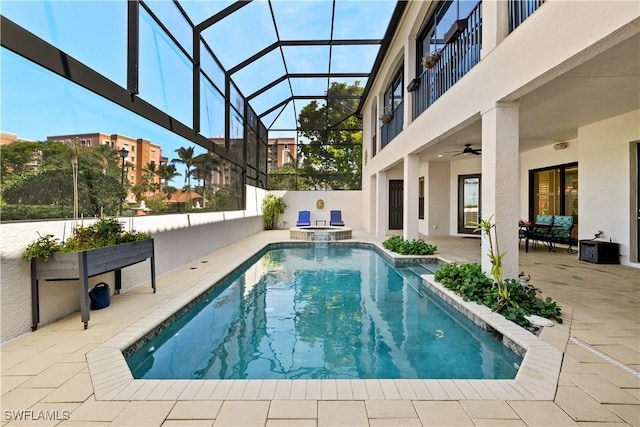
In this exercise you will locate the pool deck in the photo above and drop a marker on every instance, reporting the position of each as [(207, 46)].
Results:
[(586, 374)]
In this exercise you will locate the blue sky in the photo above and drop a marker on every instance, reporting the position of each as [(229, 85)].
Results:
[(35, 103)]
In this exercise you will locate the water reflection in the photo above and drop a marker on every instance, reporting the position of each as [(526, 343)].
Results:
[(338, 312)]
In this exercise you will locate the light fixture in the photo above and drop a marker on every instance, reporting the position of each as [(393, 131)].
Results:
[(123, 152), (414, 85), (560, 145)]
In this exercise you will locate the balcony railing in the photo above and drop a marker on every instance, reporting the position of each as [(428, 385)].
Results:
[(457, 58), (519, 10), (388, 131)]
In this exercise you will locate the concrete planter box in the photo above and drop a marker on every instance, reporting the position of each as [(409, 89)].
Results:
[(84, 264)]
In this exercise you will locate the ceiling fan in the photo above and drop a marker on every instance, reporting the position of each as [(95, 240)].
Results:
[(468, 150)]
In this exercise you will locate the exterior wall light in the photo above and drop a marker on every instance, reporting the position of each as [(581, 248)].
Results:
[(414, 85)]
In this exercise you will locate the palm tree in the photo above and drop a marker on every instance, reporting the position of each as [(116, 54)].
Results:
[(149, 173), (206, 165), (185, 156), (167, 172)]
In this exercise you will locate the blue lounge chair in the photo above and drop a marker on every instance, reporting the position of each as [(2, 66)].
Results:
[(336, 218), (304, 218)]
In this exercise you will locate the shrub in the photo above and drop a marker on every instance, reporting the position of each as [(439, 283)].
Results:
[(470, 282), (22, 212), (272, 206), (409, 247)]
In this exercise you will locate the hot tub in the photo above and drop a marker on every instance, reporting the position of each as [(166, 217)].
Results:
[(323, 233)]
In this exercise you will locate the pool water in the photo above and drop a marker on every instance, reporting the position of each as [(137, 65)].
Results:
[(334, 312)]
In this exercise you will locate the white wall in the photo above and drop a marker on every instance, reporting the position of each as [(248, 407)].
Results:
[(498, 77), (604, 176), (350, 202), (439, 199), (179, 239)]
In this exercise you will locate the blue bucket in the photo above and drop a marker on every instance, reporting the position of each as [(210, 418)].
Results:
[(100, 296)]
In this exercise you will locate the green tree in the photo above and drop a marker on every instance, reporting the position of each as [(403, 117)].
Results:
[(19, 157), (331, 156), (167, 172), (286, 178), (51, 183), (185, 157), (206, 165), (97, 193), (149, 173)]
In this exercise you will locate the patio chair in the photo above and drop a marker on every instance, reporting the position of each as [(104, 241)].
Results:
[(304, 219), (336, 218), (539, 231), (560, 232)]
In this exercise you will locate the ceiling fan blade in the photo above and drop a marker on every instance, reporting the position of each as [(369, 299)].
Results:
[(457, 154)]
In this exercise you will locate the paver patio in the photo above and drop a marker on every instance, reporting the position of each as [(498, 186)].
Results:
[(599, 381)]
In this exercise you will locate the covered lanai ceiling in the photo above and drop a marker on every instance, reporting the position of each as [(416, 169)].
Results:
[(283, 54)]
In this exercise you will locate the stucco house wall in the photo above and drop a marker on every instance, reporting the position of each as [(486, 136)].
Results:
[(347, 201), (601, 148), (604, 177)]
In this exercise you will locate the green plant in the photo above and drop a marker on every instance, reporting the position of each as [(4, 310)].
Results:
[(272, 206), (409, 247), (497, 271), (104, 232), (470, 282), (43, 247), (467, 280)]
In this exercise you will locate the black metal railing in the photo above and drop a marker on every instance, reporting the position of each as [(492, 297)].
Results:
[(456, 59), (519, 10), (388, 131)]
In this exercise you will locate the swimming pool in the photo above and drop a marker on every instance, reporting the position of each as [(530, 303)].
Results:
[(335, 312)]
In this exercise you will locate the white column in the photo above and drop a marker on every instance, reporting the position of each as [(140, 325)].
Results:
[(382, 204), (409, 74), (410, 197), (500, 183), (495, 25)]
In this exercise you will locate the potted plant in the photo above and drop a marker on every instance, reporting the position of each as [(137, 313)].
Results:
[(432, 59), (92, 250), (272, 206), (387, 116)]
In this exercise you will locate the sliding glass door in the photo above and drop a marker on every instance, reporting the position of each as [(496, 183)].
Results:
[(468, 203), (554, 191)]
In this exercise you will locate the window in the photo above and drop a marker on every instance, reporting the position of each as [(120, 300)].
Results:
[(554, 191), (393, 113), (421, 198), (374, 131), (394, 94)]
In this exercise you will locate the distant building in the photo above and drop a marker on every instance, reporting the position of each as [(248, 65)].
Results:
[(281, 152), (8, 138), (141, 152)]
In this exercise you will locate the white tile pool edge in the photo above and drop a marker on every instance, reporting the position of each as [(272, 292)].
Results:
[(537, 377)]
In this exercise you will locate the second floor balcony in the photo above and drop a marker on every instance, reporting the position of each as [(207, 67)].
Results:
[(449, 63)]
